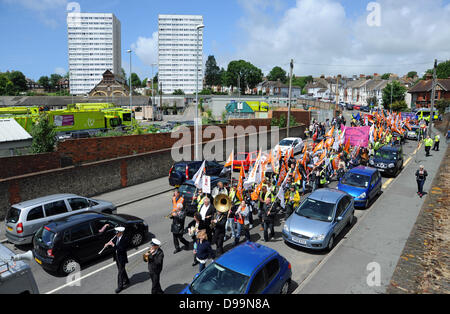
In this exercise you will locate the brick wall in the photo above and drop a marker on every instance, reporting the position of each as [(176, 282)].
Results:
[(301, 116), (19, 165)]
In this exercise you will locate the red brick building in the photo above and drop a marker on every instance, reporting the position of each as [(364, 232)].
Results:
[(421, 92)]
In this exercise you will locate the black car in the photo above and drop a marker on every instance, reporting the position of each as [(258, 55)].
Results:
[(188, 189), (365, 108), (349, 106), (388, 159), (64, 244), (185, 170)]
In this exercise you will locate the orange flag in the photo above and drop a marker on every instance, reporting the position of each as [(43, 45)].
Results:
[(319, 146), (229, 161), (347, 146), (329, 142), (330, 133), (255, 193), (240, 186), (297, 175)]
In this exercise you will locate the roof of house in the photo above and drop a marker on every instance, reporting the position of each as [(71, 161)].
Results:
[(11, 131), (426, 85)]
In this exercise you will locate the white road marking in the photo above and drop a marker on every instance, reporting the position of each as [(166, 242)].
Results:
[(94, 272)]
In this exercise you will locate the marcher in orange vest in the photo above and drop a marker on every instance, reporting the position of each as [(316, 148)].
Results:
[(176, 199)]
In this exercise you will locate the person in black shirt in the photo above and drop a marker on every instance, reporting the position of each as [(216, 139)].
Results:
[(120, 245), (177, 228), (421, 176), (155, 258)]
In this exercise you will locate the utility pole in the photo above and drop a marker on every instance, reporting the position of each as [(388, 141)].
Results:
[(336, 107), (433, 95), (289, 102), (392, 91), (131, 88)]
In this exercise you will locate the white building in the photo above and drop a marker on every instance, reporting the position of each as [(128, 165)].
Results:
[(94, 46), (178, 52)]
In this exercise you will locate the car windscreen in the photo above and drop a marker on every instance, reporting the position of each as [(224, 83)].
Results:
[(386, 154), (315, 209), (286, 143), (187, 189), (13, 215), (180, 168), (355, 179), (45, 236), (216, 279)]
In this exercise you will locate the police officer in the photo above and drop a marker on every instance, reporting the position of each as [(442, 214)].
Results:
[(428, 144), (437, 138), (155, 258)]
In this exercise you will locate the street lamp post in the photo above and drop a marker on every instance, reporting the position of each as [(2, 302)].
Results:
[(196, 150), (153, 98), (131, 87)]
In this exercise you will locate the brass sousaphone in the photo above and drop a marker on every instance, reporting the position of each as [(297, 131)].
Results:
[(222, 203)]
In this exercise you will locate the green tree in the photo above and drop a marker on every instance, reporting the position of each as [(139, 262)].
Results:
[(178, 92), (442, 70), (44, 81), (398, 93), (442, 105), (301, 81), (386, 76), (412, 74), (144, 82), (54, 79), (135, 81), (44, 135), (249, 75), (19, 81), (399, 106), (212, 72), (277, 73)]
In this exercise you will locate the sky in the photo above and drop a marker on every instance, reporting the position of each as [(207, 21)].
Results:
[(326, 37)]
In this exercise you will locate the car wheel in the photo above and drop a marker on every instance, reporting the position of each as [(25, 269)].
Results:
[(330, 243), (137, 239), (69, 265), (285, 288)]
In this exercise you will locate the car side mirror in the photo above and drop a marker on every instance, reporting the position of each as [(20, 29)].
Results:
[(339, 218)]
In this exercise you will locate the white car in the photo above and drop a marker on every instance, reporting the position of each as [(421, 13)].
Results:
[(287, 143)]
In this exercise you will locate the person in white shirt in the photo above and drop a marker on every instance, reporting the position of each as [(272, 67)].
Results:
[(219, 189)]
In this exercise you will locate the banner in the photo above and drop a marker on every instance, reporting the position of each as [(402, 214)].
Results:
[(206, 184), (358, 136)]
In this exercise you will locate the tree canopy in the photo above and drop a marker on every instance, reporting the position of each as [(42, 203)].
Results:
[(249, 75), (12, 83), (398, 93), (277, 73), (212, 72)]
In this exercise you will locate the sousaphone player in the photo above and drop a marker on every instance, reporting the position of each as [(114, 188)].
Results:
[(222, 203)]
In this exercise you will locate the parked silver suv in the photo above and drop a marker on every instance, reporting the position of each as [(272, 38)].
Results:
[(25, 218)]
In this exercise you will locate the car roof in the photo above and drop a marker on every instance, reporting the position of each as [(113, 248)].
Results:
[(327, 195), (71, 220), (291, 138), (44, 199), (363, 170), (246, 257), (390, 147)]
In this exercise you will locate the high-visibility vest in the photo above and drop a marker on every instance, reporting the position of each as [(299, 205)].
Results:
[(437, 138), (428, 142), (200, 203), (232, 197), (175, 202)]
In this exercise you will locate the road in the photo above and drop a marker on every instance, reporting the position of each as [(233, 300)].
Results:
[(100, 276)]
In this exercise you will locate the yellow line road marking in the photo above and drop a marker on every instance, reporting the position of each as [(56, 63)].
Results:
[(386, 184), (406, 162)]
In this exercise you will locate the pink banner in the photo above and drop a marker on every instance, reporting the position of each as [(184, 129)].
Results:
[(359, 136)]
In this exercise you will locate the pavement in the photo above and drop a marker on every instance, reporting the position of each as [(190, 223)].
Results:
[(365, 260)]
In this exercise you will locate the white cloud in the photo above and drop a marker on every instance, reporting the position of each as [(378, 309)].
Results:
[(147, 49), (60, 71), (322, 38)]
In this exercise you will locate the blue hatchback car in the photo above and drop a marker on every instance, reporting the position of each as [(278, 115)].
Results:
[(250, 268), (363, 183), (319, 219)]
